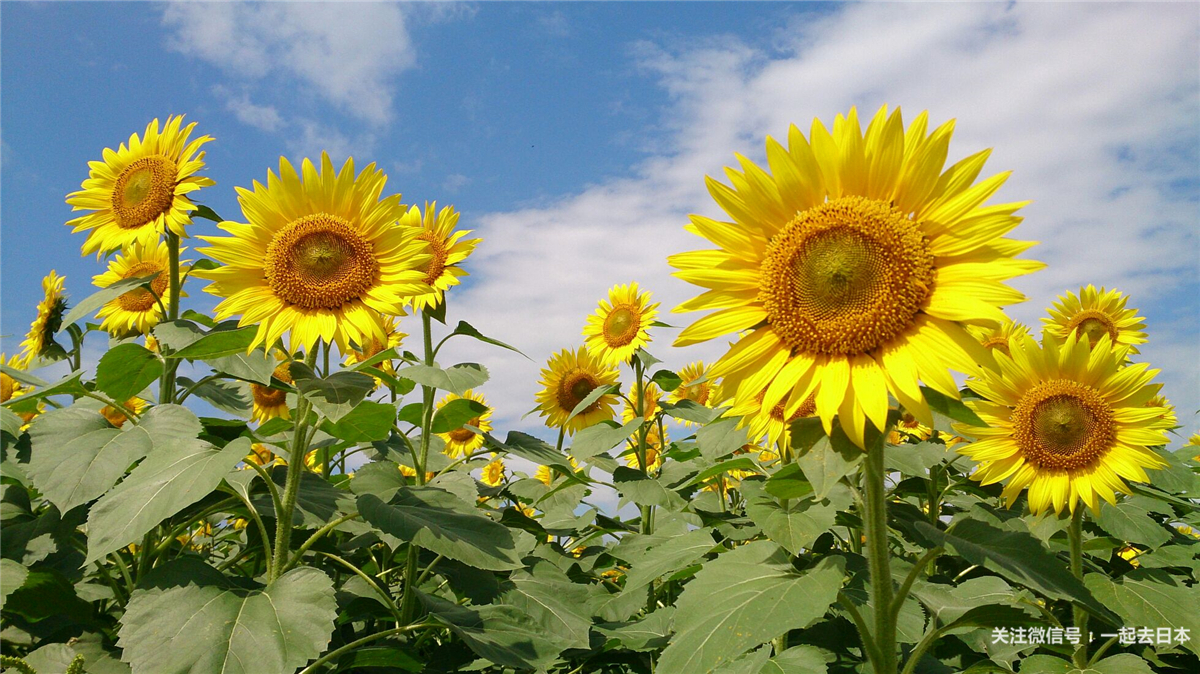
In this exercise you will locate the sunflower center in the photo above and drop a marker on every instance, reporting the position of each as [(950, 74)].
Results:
[(1093, 325), (140, 299), (998, 342), (574, 388), (697, 393), (461, 434), (144, 191), (806, 409), (846, 277), (320, 262), (437, 263), (1063, 424), (265, 396), (621, 325)]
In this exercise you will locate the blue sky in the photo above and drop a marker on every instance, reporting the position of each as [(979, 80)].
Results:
[(575, 137)]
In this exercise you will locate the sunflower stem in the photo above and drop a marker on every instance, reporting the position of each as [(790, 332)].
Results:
[(1075, 537), (646, 512), (283, 518), (408, 604), (166, 391), (878, 557)]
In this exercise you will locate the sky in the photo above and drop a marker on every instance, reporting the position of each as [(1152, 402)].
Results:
[(574, 138)]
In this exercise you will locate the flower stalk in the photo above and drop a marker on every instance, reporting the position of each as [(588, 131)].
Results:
[(878, 557), (295, 469)]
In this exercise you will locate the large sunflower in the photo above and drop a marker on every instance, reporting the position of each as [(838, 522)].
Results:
[(856, 262), (321, 257), (772, 423), (1066, 420), (462, 441), (142, 190), (620, 325), (447, 248), (137, 310), (568, 379), (1096, 313), (49, 317)]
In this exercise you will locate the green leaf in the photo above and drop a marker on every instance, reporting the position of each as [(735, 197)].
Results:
[(10, 423), (788, 482), (915, 459), (796, 525), (381, 478), (1150, 599), (255, 366), (1125, 663), (55, 658), (379, 656), (667, 380), (649, 633), (591, 398), (947, 410), (829, 460), (23, 377), (218, 343), (367, 422), (652, 556), (317, 501), (602, 437), (68, 385), (528, 447), (720, 438), (689, 410), (1130, 522), (457, 379), (178, 334), (206, 213), (333, 396), (437, 520), (12, 576), (233, 397), (127, 369), (951, 602), (645, 490), (171, 478), (760, 597), (225, 629), (740, 463), (46, 593), (1017, 556), (501, 633), (93, 302), (557, 605), (454, 414), (465, 328), (797, 660), (77, 455)]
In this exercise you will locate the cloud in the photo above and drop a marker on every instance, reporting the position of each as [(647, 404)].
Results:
[(1092, 107), (347, 54), (455, 182), (264, 117), (315, 137)]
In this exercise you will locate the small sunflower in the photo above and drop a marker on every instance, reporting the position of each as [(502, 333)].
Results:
[(856, 262), (996, 337), (394, 339), (493, 473), (908, 428), (1130, 554), (1065, 420), (654, 442), (1096, 313), (462, 441), (621, 325), (270, 402), (117, 417), (321, 257), (136, 311), (142, 190), (448, 249), (773, 423), (262, 455), (50, 312), (1167, 410), (546, 474), (694, 386), (568, 379), (409, 471), (651, 395)]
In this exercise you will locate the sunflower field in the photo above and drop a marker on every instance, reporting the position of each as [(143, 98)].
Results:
[(881, 474)]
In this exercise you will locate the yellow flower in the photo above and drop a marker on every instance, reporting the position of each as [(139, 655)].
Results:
[(448, 250), (568, 379), (493, 473), (695, 386), (462, 441), (263, 455), (773, 423), (1096, 313), (1187, 531), (620, 325), (11, 388), (408, 471), (375, 347), (996, 337), (909, 428), (270, 403), (312, 462), (1066, 421), (654, 445), (1167, 410), (852, 268), (240, 523), (50, 313), (136, 311), (320, 258), (142, 190), (728, 480), (151, 343), (1130, 554), (117, 417), (546, 474)]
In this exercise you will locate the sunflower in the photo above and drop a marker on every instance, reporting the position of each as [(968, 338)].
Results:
[(270, 402), (376, 346), (448, 250), (773, 423), (138, 310), (117, 417), (50, 313), (694, 386), (1130, 554), (493, 473), (654, 443), (908, 428), (546, 474), (620, 325), (1066, 420), (11, 388), (855, 263), (141, 191), (651, 394), (568, 379), (997, 336), (1096, 313), (321, 257), (1166, 409), (262, 455), (462, 441), (409, 471)]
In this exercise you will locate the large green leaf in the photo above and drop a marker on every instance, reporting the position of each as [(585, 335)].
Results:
[(528, 447), (1151, 599), (455, 413), (231, 396), (367, 422), (649, 633), (720, 438), (219, 342), (602, 437), (591, 398), (645, 490), (317, 501), (760, 596), (54, 658), (127, 369), (797, 660), (798, 523), (690, 410), (652, 556), (216, 629), (1124, 663), (439, 521), (255, 366), (1017, 556), (457, 378), (12, 576), (171, 478), (501, 633), (1131, 522), (93, 302), (951, 602), (557, 605), (828, 460), (333, 396), (77, 455)]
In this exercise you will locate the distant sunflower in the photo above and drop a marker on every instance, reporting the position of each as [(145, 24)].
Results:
[(654, 443), (997, 337), (447, 247), (136, 311), (1096, 313), (270, 402), (142, 190), (46, 324), (568, 379), (621, 325), (908, 428), (1167, 410), (694, 386), (262, 455), (321, 257), (856, 262), (546, 474), (462, 441), (373, 348), (10, 388), (772, 423), (1065, 420), (117, 417), (493, 473), (409, 471)]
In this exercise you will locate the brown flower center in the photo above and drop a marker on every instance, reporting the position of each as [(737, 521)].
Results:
[(144, 191), (621, 325), (697, 393), (1063, 424), (8, 386), (140, 299), (1094, 325), (574, 388), (320, 262), (997, 342), (265, 396), (461, 435), (437, 263)]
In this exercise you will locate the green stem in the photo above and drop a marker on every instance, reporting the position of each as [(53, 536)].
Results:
[(1075, 536), (864, 632), (338, 652), (408, 604), (878, 557), (166, 390), (931, 636), (383, 593), (317, 535), (283, 516), (911, 578)]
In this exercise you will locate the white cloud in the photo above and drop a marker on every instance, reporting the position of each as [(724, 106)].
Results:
[(455, 182), (347, 53), (1093, 107), (314, 138), (264, 117)]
